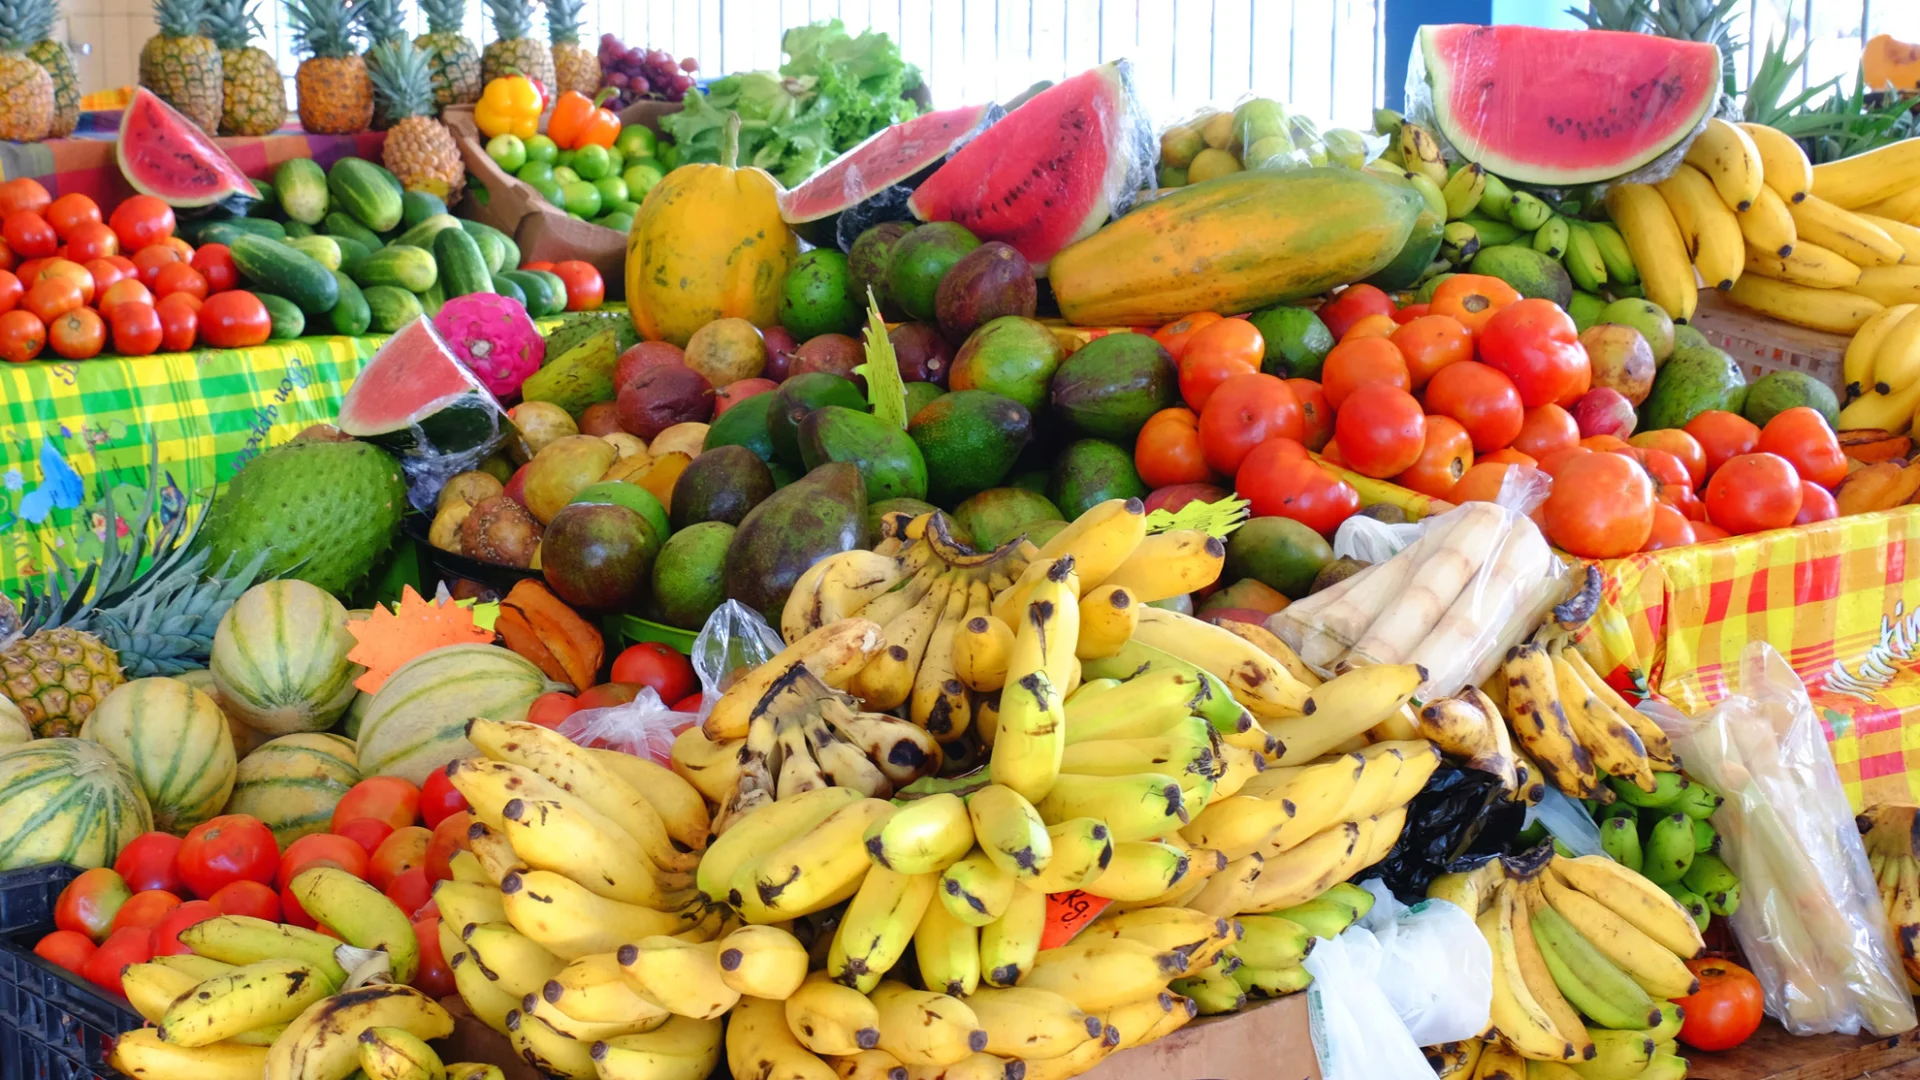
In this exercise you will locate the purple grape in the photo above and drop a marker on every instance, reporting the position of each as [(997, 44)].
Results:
[(635, 56), (639, 84), (690, 65), (616, 79), (682, 83)]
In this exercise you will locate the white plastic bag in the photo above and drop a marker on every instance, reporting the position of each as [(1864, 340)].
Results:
[(643, 727), (1371, 540), (734, 639)]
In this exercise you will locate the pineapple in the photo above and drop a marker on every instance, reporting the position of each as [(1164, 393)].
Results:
[(182, 66), (26, 90), (53, 54), (512, 50), (255, 96), (454, 60), (1710, 21), (420, 150), (575, 67), (384, 23), (335, 95), (57, 678)]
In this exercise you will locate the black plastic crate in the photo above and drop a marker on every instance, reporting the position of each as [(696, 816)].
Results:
[(27, 896), (54, 1025)]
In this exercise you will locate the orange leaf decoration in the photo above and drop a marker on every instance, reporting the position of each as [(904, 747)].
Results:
[(387, 640)]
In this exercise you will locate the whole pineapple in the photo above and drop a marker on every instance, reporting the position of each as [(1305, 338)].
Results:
[(511, 49), (26, 90), (52, 53), (383, 23), (575, 67), (255, 98), (419, 150), (453, 60), (57, 678), (335, 95), (183, 67)]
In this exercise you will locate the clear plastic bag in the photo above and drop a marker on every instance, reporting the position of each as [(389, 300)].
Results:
[(1257, 133), (1810, 920), (1371, 540), (643, 727), (734, 639)]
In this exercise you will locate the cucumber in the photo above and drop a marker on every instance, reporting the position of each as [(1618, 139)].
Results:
[(421, 235), (351, 316), (418, 206), (407, 267), (352, 253), (491, 250), (463, 269), (556, 290), (223, 232), (540, 301), (434, 299), (302, 186), (288, 321), (391, 307), (509, 290), (297, 229), (324, 250), (365, 191), (269, 202), (337, 223), (392, 180), (509, 251), (285, 271)]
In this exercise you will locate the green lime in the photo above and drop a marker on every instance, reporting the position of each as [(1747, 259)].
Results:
[(550, 189), (668, 155), (507, 151), (636, 141), (1297, 341), (564, 159), (581, 198), (535, 172), (617, 222), (625, 206), (541, 148), (616, 161), (613, 190), (564, 174), (641, 176), (592, 162)]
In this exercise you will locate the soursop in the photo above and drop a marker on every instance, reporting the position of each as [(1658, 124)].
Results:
[(582, 325), (328, 511)]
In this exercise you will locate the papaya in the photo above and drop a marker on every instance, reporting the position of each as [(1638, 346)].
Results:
[(1235, 243), (708, 244)]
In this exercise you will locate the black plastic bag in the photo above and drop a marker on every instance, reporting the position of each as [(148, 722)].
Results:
[(1459, 820)]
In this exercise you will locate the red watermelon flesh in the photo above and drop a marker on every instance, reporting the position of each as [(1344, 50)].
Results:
[(1053, 171), (892, 155), (1563, 107), (164, 154), (417, 400)]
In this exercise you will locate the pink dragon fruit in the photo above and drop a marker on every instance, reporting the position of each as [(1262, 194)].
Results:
[(494, 338)]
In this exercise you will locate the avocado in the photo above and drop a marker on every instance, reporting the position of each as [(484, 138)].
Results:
[(722, 484), (1777, 391), (922, 394), (1586, 309), (997, 515), (744, 424), (823, 513), (632, 496), (1297, 341), (1694, 379), (1113, 385), (888, 460), (1012, 356), (1278, 552), (1334, 573), (1531, 273), (1091, 471), (920, 259), (969, 440), (798, 396), (689, 573)]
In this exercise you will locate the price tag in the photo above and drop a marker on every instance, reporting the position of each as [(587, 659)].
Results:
[(1068, 913)]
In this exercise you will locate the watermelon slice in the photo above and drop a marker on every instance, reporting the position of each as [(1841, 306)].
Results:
[(904, 154), (1563, 107), (1054, 170), (164, 154)]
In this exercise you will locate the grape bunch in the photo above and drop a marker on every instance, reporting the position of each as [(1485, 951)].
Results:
[(643, 74)]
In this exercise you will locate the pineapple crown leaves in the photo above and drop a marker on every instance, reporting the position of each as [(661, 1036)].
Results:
[(512, 19), (179, 18), (232, 24), (444, 16), (384, 20), (325, 28), (563, 21), (34, 20), (402, 82)]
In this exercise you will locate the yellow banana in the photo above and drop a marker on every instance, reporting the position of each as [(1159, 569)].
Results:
[(981, 651), (503, 955), (834, 653), (554, 1054), (1140, 870), (1889, 284), (489, 1001), (463, 902), (831, 1019), (570, 921), (1536, 975), (1639, 901), (876, 928), (680, 1049), (1099, 540), (1257, 680), (867, 1065), (1783, 165), (1170, 564), (390, 1053), (1902, 233), (593, 990), (1009, 944), (1659, 748), (712, 768), (1540, 721), (1711, 230), (762, 961), (840, 585), (1727, 155), (886, 681), (1835, 311), (1869, 177), (1854, 238), (243, 939), (1889, 411), (925, 836), (1615, 747), (812, 872), (1032, 727), (761, 832), (141, 1053), (924, 1028), (1857, 366), (760, 1043), (1082, 848), (360, 914), (1658, 971), (1009, 830), (1108, 616), (1518, 1015), (940, 702), (229, 1004), (573, 840), (678, 802), (1342, 707), (1658, 249), (1809, 264), (975, 890), (683, 976), (1103, 973), (948, 951), (323, 1042)]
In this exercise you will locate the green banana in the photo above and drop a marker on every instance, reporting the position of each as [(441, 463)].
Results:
[(1271, 942), (1671, 1018), (1697, 802), (1495, 198), (1620, 839), (1705, 836), (1613, 252), (1332, 911), (1709, 874), (1459, 243), (1272, 982), (1667, 787), (1527, 212), (1213, 990), (1589, 981), (1463, 190), (1428, 190), (1551, 239), (1387, 122), (1587, 269), (1724, 902), (1493, 231), (1669, 849), (1617, 1053), (1695, 904)]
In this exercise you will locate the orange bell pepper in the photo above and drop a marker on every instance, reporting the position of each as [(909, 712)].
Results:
[(578, 121)]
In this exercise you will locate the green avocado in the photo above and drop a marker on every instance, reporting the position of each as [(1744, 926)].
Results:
[(1091, 471), (1297, 341), (798, 396), (997, 515), (722, 484), (969, 440), (820, 514), (1694, 379), (888, 460), (1423, 243), (744, 424), (1777, 391), (1278, 552), (1532, 274), (688, 574), (1113, 385)]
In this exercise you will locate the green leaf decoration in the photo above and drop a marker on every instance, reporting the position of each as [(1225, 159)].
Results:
[(1218, 519), (886, 392)]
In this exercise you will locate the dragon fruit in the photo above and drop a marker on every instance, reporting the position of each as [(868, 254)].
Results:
[(494, 338)]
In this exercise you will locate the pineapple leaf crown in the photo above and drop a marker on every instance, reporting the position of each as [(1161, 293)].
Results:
[(563, 21), (325, 28), (402, 82), (232, 24), (179, 18), (444, 16), (34, 20), (384, 20), (512, 19)]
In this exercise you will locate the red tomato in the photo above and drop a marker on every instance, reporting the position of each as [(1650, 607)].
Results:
[(126, 947), (410, 890), (65, 948), (660, 666), (1816, 504), (231, 847), (608, 694), (10, 291), (1355, 363), (434, 978), (1432, 342), (89, 903), (313, 849), (149, 862), (1667, 471), (292, 913), (25, 193), (438, 799), (1411, 312), (152, 259), (105, 273), (368, 833), (1554, 462), (1753, 493), (1706, 532), (1535, 343), (1381, 431), (449, 838), (585, 289), (1601, 506), (1203, 370), (179, 321), (1380, 326), (141, 221), (247, 898), (1684, 447), (404, 850), (1331, 453), (1471, 300), (22, 336), (690, 704), (1244, 412), (1509, 456), (128, 290), (179, 277), (79, 334), (58, 269), (1581, 383), (29, 234), (136, 329), (29, 271), (1727, 1008), (1316, 414), (1671, 529), (1802, 436), (1354, 303), (1544, 430), (7, 258), (90, 242), (1445, 457), (50, 298), (547, 710), (1174, 336), (1723, 436), (185, 249), (1605, 443), (384, 798), (1482, 483), (235, 319), (145, 909), (215, 263), (1168, 450), (1278, 479), (166, 932), (1482, 399), (70, 212)]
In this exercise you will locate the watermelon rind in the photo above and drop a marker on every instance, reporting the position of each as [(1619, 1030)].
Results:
[(210, 176), (1585, 106), (901, 154)]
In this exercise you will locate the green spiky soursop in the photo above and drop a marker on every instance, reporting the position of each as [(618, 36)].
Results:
[(328, 511)]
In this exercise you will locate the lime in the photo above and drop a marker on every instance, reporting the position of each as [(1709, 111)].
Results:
[(612, 190), (641, 176), (507, 151), (592, 162), (564, 159), (564, 174), (581, 197), (541, 148), (535, 172), (636, 141), (616, 161), (550, 189), (617, 222), (625, 206), (1297, 341)]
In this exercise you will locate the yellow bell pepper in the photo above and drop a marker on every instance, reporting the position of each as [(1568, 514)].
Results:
[(510, 105)]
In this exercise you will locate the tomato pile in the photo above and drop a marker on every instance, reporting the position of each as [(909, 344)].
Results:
[(1447, 398), (648, 664)]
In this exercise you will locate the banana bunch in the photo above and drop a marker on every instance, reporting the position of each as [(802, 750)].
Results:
[(1889, 832), (1665, 835), (1881, 368), (1571, 729)]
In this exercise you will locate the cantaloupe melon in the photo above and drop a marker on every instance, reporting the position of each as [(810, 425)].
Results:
[(67, 800), (417, 722), (280, 658), (293, 783), (175, 740)]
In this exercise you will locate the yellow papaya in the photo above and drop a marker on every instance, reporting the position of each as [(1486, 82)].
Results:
[(1233, 244), (707, 244)]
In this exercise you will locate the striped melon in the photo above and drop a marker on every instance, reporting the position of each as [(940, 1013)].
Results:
[(418, 720), (245, 739), (67, 800), (280, 658), (294, 782), (175, 739)]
